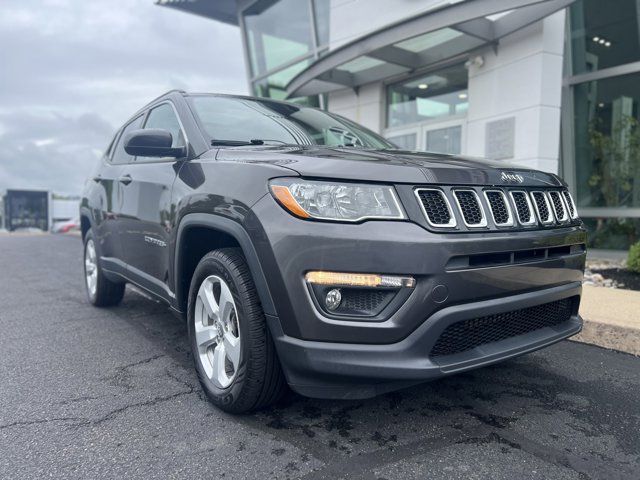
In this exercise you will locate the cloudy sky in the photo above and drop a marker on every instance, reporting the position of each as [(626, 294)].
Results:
[(72, 71)]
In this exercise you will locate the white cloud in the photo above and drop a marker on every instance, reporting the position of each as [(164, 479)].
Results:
[(73, 71)]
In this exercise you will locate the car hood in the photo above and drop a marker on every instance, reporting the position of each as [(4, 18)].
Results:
[(393, 166)]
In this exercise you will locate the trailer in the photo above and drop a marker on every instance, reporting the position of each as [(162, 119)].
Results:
[(27, 209)]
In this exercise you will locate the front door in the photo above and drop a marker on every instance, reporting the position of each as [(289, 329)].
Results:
[(147, 211), (110, 198)]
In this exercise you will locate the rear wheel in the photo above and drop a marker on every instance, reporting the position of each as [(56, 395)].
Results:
[(232, 348), (101, 291)]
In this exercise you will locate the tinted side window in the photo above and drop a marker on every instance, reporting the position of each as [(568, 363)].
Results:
[(119, 155), (165, 118)]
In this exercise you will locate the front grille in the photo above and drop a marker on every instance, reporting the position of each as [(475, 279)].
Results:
[(468, 334), (470, 207), (436, 207), (558, 206), (542, 207), (499, 207)]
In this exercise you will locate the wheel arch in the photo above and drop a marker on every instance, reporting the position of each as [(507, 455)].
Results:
[(226, 232), (85, 222)]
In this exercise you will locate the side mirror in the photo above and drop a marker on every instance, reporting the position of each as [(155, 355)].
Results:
[(152, 142)]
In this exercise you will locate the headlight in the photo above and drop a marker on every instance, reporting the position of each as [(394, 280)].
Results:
[(345, 202)]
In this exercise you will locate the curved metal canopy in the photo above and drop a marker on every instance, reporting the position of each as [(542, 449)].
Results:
[(420, 41), (222, 10)]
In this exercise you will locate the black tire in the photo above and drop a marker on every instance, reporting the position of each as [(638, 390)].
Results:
[(259, 380), (107, 293)]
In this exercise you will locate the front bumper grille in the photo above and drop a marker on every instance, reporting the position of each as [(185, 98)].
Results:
[(492, 208), (468, 334)]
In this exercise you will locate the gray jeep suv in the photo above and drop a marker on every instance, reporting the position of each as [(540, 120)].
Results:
[(303, 249)]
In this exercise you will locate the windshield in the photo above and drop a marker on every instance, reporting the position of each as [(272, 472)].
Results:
[(234, 119)]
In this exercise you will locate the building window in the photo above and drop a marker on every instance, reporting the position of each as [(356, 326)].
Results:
[(321, 10), (607, 142), (277, 32), (404, 142), (612, 233), (274, 85), (601, 132), (445, 140), (436, 95), (280, 40), (604, 35)]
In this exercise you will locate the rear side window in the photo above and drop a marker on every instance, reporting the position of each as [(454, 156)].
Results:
[(119, 155), (164, 117)]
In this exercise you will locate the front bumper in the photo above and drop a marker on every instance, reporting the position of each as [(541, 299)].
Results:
[(357, 358), (343, 370)]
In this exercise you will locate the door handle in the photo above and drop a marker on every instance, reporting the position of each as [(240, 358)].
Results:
[(125, 179), (97, 178)]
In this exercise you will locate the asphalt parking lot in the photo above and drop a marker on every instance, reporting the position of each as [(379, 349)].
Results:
[(89, 393)]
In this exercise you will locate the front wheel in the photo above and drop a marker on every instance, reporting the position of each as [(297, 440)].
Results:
[(101, 291), (232, 348)]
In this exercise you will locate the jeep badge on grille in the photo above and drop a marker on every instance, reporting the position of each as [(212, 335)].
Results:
[(511, 177)]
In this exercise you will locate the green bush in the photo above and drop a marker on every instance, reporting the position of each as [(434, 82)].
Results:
[(633, 262)]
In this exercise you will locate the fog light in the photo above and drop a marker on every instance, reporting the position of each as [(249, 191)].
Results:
[(333, 299)]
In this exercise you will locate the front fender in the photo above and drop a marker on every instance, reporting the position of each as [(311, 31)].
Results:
[(235, 230)]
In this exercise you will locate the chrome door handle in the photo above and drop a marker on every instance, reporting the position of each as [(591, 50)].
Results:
[(125, 179)]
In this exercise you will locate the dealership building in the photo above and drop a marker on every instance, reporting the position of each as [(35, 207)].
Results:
[(546, 84)]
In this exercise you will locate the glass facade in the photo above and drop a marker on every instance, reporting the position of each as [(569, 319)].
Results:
[(435, 95), (283, 37), (607, 142), (604, 34), (603, 133)]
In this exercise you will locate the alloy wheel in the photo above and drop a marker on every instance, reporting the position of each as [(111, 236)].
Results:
[(91, 267), (217, 331)]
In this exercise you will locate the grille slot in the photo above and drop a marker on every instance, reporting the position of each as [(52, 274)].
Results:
[(558, 207), (468, 334), (436, 208), (469, 204), (543, 209), (524, 209), (499, 207), (569, 201)]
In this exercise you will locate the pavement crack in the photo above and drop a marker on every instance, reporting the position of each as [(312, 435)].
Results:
[(147, 403), (140, 362), (26, 423)]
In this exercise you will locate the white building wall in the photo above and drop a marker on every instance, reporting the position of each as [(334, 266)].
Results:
[(365, 107), (522, 80)]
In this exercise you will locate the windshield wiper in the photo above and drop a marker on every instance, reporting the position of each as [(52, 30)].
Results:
[(235, 143)]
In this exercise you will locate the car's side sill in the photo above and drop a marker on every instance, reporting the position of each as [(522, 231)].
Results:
[(149, 284)]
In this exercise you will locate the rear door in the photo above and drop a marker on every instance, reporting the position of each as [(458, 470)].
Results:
[(147, 211)]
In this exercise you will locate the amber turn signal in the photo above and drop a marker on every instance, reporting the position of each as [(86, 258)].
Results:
[(283, 195)]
